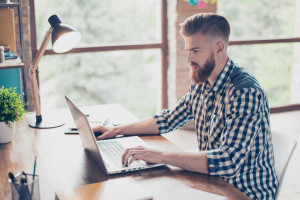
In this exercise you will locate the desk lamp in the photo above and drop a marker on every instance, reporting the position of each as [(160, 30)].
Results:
[(64, 38)]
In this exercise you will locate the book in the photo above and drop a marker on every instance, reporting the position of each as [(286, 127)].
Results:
[(120, 188), (7, 29), (10, 55)]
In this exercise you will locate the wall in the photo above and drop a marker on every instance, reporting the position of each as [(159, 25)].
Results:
[(178, 70), (27, 47)]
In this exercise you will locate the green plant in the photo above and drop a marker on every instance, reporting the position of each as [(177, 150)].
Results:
[(11, 106)]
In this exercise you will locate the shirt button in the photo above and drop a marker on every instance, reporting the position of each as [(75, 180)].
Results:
[(208, 118)]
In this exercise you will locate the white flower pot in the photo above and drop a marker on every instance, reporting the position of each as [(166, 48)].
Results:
[(6, 133)]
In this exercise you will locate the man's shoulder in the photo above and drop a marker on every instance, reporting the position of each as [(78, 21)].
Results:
[(241, 79)]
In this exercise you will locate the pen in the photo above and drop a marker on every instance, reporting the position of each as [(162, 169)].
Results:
[(34, 168), (107, 122), (33, 176), (26, 178), (15, 182), (24, 190), (12, 177)]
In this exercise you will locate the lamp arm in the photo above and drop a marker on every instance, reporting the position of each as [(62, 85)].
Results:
[(41, 51), (34, 76)]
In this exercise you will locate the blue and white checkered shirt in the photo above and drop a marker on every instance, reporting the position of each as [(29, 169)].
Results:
[(232, 125)]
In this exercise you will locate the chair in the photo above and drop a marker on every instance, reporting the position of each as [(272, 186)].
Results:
[(283, 147)]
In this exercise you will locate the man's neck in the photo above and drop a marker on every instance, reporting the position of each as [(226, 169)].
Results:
[(217, 70)]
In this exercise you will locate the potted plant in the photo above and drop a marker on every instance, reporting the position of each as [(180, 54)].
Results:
[(11, 110)]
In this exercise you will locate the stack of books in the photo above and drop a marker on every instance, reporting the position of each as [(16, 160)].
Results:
[(8, 54)]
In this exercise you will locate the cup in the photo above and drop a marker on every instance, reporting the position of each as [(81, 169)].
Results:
[(2, 58), (25, 191)]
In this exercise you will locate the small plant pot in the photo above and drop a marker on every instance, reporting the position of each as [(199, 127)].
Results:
[(6, 133)]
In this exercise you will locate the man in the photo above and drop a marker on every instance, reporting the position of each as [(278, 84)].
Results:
[(230, 110)]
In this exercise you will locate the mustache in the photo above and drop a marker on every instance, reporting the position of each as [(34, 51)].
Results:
[(194, 63)]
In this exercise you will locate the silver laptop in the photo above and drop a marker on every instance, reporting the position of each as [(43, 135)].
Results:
[(107, 153)]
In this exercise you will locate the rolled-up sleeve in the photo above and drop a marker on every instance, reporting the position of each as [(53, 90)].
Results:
[(242, 124), (172, 119)]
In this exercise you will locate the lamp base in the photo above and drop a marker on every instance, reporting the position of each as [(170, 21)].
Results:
[(46, 121)]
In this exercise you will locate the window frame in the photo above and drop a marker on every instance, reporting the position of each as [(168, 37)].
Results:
[(277, 109), (163, 46)]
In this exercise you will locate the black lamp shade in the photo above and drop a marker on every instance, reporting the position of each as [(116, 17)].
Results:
[(64, 37)]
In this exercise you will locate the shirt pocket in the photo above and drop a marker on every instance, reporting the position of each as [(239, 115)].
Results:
[(216, 126)]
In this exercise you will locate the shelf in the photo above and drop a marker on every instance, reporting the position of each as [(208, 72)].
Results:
[(9, 5), (13, 63)]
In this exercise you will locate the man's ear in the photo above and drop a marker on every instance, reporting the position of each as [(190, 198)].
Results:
[(220, 47)]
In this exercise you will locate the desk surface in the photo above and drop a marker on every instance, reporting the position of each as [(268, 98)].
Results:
[(63, 164)]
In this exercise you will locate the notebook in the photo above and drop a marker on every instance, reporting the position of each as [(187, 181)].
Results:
[(107, 153), (7, 29)]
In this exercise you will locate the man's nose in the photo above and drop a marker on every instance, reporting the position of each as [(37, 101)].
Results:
[(188, 57)]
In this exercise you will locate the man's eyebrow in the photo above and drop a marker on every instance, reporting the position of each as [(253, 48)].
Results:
[(194, 48)]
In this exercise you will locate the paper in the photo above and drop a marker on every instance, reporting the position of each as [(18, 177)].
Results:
[(181, 191), (193, 2), (201, 4), (120, 188)]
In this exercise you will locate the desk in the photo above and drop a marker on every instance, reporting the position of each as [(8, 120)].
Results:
[(63, 164)]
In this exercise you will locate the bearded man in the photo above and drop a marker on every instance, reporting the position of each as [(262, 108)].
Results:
[(230, 110)]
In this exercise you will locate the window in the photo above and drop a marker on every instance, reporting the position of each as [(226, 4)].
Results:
[(120, 58), (264, 38)]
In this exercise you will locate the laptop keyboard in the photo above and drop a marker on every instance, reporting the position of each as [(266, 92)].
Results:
[(114, 151)]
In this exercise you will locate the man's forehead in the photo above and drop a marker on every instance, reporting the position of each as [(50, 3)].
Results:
[(196, 41)]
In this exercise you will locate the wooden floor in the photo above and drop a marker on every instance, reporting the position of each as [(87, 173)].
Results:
[(287, 123)]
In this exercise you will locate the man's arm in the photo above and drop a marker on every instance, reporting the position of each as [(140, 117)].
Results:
[(196, 162), (147, 126), (165, 122)]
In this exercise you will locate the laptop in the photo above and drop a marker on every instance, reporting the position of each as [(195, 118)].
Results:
[(107, 153)]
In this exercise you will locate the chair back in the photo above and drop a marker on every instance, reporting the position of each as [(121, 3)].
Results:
[(283, 147)]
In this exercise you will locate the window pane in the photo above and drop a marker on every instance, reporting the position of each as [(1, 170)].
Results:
[(104, 21), (272, 65), (264, 19), (130, 78)]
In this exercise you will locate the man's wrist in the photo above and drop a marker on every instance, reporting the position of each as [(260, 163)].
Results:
[(118, 130), (164, 158)]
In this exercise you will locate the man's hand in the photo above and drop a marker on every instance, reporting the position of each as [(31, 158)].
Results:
[(147, 126), (142, 153), (106, 132)]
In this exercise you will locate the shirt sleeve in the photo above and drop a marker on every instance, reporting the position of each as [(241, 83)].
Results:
[(172, 119), (243, 122)]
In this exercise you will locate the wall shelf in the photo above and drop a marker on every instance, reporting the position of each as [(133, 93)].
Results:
[(12, 63), (9, 5), (12, 70)]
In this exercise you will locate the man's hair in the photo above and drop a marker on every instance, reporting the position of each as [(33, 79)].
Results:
[(207, 24)]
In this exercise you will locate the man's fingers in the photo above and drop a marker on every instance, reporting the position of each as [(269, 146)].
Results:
[(135, 157), (132, 154), (123, 156), (103, 136), (98, 128)]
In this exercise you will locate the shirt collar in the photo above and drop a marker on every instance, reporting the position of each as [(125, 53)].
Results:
[(222, 78)]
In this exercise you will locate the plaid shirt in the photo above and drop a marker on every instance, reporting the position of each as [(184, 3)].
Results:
[(232, 125)]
